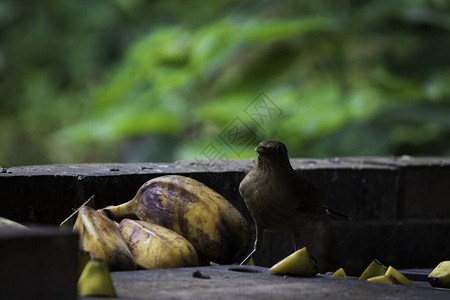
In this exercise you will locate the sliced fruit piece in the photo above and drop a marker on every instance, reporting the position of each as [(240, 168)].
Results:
[(397, 277), (96, 281), (7, 224), (83, 258), (381, 279), (374, 269), (340, 273), (299, 263)]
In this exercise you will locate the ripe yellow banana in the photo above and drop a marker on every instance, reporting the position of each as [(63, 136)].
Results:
[(206, 219), (95, 280), (7, 224), (156, 247), (101, 238), (440, 276)]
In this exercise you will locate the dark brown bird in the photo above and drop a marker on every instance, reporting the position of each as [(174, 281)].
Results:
[(279, 197)]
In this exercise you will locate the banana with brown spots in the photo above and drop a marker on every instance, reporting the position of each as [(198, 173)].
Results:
[(100, 237), (205, 218), (156, 247)]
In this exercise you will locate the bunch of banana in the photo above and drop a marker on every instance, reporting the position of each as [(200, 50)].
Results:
[(7, 224), (100, 237), (156, 247), (440, 276), (215, 228)]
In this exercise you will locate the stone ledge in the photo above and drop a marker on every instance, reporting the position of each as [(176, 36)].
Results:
[(365, 188), (380, 194), (354, 244), (257, 283), (40, 263)]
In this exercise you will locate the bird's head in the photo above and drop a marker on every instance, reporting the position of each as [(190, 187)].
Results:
[(273, 155)]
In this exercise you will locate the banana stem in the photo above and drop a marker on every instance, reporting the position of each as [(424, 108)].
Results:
[(122, 211)]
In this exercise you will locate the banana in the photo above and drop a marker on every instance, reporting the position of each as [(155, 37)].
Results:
[(440, 276), (215, 228), (374, 269), (340, 273), (156, 247), (299, 263), (95, 280), (7, 224), (102, 239)]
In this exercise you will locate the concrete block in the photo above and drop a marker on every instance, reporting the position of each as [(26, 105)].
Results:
[(424, 184), (41, 263), (353, 245), (40, 199), (362, 191)]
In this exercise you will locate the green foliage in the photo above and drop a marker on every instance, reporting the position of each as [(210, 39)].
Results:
[(116, 81)]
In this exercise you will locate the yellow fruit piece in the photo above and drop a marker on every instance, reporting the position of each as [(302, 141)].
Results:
[(7, 224), (374, 269), (381, 279), (397, 277), (440, 276), (95, 280), (298, 263), (83, 259), (340, 273), (156, 247), (251, 262)]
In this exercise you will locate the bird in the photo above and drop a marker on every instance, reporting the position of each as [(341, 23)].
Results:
[(279, 197)]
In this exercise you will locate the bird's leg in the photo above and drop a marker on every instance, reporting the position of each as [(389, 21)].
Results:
[(258, 243), (297, 240)]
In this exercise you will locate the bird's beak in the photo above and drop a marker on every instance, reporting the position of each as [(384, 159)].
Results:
[(259, 149)]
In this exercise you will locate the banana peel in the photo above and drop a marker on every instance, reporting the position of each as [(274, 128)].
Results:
[(440, 276), (100, 237), (95, 280), (156, 247), (299, 263), (215, 228)]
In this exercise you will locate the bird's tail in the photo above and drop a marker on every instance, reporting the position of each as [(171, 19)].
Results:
[(336, 215)]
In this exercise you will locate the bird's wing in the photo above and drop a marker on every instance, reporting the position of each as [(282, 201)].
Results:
[(306, 194)]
